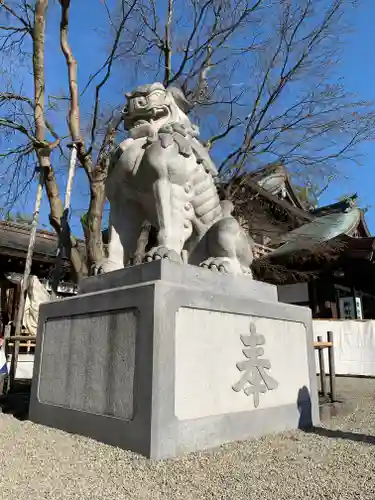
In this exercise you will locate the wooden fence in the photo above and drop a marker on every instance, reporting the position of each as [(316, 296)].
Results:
[(13, 346), (320, 345)]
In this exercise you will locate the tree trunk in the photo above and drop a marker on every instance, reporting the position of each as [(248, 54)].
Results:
[(92, 221), (78, 265)]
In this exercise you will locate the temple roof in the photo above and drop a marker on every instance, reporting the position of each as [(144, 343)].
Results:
[(14, 241), (320, 230), (327, 243), (339, 207), (274, 178)]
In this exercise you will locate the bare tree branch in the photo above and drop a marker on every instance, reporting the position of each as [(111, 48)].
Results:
[(109, 63), (168, 44), (25, 23), (74, 113)]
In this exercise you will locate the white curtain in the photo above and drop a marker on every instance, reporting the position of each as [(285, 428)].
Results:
[(36, 295), (354, 345)]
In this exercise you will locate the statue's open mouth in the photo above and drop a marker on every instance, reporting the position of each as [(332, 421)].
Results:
[(141, 117)]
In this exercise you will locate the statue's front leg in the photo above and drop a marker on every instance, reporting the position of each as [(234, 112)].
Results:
[(172, 222), (125, 221)]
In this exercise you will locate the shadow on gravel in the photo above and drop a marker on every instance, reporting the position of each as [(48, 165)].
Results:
[(305, 422), (304, 408), (337, 434), (17, 402)]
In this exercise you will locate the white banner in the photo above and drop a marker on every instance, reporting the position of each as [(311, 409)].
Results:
[(354, 345)]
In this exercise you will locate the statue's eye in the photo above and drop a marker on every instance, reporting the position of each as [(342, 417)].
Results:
[(156, 95)]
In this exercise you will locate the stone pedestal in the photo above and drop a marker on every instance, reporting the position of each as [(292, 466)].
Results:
[(164, 359)]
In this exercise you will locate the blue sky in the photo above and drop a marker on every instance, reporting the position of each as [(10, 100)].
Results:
[(357, 69)]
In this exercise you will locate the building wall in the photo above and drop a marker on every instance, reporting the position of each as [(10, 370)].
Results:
[(297, 293)]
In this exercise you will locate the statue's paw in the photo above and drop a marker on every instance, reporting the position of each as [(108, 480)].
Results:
[(162, 252), (223, 265), (96, 269), (247, 271), (105, 266)]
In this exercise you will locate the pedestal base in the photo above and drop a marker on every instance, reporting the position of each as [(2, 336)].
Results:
[(180, 362)]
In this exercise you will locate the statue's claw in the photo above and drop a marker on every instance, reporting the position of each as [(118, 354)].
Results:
[(215, 265), (105, 266), (162, 252), (223, 265), (96, 269), (247, 271)]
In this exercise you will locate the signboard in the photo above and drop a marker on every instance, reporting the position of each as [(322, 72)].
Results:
[(358, 307), (347, 308)]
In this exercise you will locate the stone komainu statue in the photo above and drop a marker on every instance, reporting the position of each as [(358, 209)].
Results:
[(163, 174)]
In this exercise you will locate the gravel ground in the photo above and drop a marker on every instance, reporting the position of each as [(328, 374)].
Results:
[(337, 461)]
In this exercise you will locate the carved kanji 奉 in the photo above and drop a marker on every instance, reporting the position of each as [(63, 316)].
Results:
[(254, 380)]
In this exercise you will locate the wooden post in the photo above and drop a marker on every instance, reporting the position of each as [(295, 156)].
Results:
[(331, 364), (64, 234), (7, 333), (322, 370), (25, 280)]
